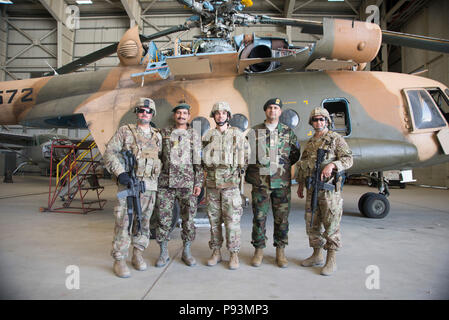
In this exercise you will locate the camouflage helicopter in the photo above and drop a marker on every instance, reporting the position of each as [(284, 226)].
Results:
[(390, 120)]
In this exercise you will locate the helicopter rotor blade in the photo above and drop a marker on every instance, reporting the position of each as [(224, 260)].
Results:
[(111, 49), (388, 37), (88, 59), (415, 41), (181, 27)]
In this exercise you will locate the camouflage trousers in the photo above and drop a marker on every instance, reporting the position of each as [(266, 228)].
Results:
[(139, 240), (280, 205), (165, 201), (224, 206), (328, 214)]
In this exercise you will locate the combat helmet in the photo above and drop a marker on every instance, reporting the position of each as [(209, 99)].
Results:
[(221, 106), (145, 103), (318, 111)]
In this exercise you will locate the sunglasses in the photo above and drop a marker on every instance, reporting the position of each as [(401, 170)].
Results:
[(144, 111), (318, 119)]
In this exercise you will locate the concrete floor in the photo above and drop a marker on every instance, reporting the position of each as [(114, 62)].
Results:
[(409, 250)]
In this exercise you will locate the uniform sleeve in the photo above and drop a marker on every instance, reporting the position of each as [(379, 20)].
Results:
[(159, 142), (112, 157), (197, 167), (300, 173), (247, 152), (344, 155), (204, 141), (295, 149)]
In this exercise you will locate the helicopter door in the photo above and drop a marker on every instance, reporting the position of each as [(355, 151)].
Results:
[(426, 116), (339, 112)]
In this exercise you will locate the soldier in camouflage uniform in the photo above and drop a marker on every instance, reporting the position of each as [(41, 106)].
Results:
[(145, 143), (225, 157), (270, 175), (181, 179), (330, 203)]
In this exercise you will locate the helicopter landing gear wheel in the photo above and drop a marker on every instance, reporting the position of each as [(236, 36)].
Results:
[(376, 205)]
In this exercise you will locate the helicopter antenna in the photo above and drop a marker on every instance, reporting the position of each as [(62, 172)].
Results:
[(55, 73)]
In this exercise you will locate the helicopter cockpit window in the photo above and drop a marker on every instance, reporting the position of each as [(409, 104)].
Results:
[(441, 100), (290, 118), (201, 123), (424, 111), (339, 113), (240, 121)]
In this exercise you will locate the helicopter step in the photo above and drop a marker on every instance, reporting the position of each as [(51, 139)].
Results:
[(376, 205)]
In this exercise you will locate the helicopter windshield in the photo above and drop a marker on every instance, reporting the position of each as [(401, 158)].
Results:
[(425, 113)]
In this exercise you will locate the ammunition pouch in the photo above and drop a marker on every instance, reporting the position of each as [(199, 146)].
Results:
[(148, 164)]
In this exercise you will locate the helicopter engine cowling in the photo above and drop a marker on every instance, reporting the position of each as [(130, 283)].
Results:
[(130, 49), (262, 48)]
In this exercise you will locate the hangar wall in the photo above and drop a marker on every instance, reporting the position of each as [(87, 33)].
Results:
[(431, 21), (3, 39)]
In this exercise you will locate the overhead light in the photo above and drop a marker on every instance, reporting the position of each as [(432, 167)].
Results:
[(335, 0), (5, 2), (83, 1)]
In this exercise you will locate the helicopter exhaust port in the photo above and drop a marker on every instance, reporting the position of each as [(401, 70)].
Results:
[(254, 47), (260, 51)]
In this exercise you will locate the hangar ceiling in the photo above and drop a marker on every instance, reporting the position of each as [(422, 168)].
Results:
[(22, 40), (169, 7)]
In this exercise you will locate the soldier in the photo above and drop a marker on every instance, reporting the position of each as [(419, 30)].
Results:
[(225, 157), (145, 143), (277, 150), (330, 203), (181, 179)]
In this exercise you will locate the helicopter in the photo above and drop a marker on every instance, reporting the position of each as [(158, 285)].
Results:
[(390, 120)]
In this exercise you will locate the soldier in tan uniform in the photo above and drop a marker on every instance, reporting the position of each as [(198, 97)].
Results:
[(181, 179), (330, 203), (145, 144), (225, 157)]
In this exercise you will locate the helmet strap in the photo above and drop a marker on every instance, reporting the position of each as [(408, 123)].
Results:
[(222, 123)]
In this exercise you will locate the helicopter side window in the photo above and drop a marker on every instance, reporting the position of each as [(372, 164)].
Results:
[(240, 121), (339, 112), (441, 100), (424, 111), (290, 118)]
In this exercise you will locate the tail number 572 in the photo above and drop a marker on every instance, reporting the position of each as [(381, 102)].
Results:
[(10, 94)]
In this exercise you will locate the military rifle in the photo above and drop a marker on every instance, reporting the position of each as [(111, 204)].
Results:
[(315, 182), (135, 189)]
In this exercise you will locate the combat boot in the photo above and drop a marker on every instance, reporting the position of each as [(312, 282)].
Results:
[(281, 260), (187, 256), (316, 259), (121, 269), (331, 264), (257, 259), (163, 257), (137, 260), (215, 258), (234, 261)]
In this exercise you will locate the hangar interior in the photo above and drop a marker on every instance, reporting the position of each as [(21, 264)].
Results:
[(37, 36)]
